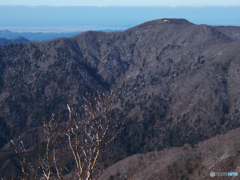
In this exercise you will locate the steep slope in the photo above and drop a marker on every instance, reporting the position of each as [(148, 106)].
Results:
[(178, 91), (177, 82), (218, 154)]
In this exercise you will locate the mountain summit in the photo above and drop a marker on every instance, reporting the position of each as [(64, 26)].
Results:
[(182, 22)]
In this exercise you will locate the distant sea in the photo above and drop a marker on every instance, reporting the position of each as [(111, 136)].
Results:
[(60, 29), (48, 33), (81, 18), (38, 23)]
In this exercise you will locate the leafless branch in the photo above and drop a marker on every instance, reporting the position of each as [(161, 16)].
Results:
[(86, 138)]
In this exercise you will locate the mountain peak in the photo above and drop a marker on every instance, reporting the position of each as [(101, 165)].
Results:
[(21, 38), (182, 22)]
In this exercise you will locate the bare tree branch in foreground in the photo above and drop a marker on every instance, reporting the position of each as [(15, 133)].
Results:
[(83, 140), (88, 142)]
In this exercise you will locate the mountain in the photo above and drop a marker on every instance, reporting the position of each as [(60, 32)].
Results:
[(20, 39), (37, 36), (40, 36), (177, 83)]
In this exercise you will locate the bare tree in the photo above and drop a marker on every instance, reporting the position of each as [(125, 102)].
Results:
[(50, 148), (26, 168), (50, 157), (88, 142), (83, 139)]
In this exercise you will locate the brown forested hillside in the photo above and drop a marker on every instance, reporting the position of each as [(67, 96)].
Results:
[(177, 82)]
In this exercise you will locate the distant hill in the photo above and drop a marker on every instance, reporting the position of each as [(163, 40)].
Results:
[(20, 39), (40, 36)]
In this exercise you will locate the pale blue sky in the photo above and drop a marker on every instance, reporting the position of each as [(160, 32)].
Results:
[(124, 2), (78, 15)]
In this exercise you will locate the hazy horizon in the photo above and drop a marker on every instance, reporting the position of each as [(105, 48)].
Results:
[(58, 29), (82, 18)]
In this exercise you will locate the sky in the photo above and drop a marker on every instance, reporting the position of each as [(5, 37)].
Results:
[(79, 15), (124, 2)]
